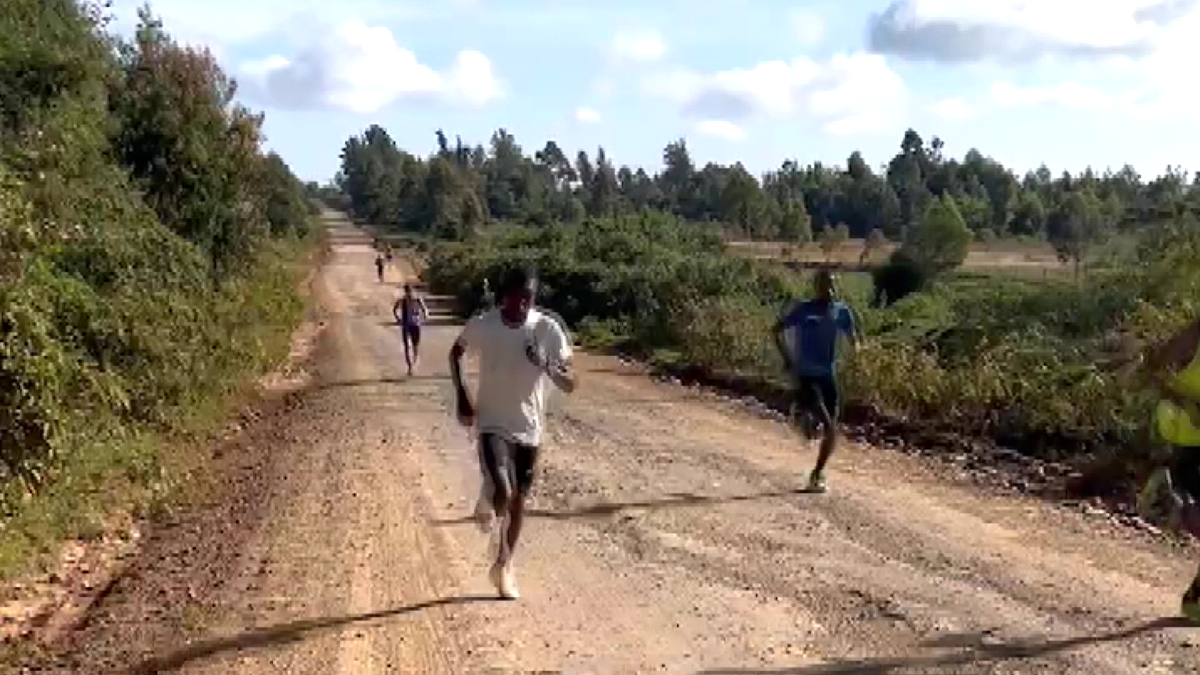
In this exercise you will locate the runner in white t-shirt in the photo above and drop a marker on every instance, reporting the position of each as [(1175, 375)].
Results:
[(521, 350)]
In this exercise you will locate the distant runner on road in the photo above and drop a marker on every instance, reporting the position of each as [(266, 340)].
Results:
[(812, 365), (520, 349), (1173, 368), (379, 266), (410, 312)]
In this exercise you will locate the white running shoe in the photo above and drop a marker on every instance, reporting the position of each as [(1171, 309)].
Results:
[(816, 483), (506, 581), (503, 578)]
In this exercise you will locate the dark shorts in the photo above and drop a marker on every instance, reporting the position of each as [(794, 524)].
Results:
[(508, 464), (1185, 472), (412, 334), (818, 394)]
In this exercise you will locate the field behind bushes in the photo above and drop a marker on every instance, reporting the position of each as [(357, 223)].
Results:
[(1029, 364)]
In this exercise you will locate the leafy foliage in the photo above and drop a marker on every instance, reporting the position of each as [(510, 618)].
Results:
[(939, 242), (1021, 361), (634, 260), (463, 189), (145, 241), (643, 269)]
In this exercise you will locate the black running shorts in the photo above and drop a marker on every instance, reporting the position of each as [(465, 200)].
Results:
[(1185, 471), (412, 333), (818, 394), (509, 464)]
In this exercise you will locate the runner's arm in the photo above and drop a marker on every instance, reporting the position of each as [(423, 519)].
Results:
[(558, 367), (396, 310), (465, 409), (849, 326), (777, 332), (424, 309)]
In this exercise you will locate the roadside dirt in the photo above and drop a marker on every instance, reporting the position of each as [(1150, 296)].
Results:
[(666, 536)]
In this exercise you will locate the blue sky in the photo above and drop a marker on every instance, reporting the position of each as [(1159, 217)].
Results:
[(1070, 83)]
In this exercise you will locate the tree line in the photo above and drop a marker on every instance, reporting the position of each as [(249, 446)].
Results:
[(460, 188)]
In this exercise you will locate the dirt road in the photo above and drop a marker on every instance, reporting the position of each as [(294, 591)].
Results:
[(667, 537)]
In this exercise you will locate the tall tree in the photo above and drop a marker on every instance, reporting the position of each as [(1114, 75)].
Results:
[(938, 243)]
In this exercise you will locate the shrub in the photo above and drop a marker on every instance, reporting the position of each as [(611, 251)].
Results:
[(898, 278), (147, 256), (1020, 361)]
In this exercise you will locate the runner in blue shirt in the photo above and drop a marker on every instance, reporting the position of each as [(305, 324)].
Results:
[(811, 361)]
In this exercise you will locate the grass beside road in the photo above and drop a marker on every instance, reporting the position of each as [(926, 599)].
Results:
[(111, 470)]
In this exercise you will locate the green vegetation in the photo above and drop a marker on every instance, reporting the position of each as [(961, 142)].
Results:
[(636, 262), (464, 186), (149, 255)]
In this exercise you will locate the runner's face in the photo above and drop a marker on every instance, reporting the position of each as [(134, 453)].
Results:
[(824, 286), (517, 303)]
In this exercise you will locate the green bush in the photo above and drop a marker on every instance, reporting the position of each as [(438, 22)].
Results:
[(1021, 361), (898, 278), (148, 260)]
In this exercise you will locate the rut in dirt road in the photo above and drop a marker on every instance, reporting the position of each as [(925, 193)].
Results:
[(666, 536)]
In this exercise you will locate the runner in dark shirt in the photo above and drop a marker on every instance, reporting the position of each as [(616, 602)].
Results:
[(410, 312)]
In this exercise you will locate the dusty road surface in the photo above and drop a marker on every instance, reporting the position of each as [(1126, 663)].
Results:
[(667, 537)]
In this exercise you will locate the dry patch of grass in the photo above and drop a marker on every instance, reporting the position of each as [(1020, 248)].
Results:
[(1001, 256)]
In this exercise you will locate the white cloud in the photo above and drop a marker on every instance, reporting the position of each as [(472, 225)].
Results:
[(225, 23), (472, 79), (1151, 83), (603, 87), (1141, 52), (1166, 78), (675, 83), (807, 27), (1149, 102), (953, 109), (1024, 30), (1067, 94), (848, 93), (360, 68), (640, 46), (722, 129), (586, 115)]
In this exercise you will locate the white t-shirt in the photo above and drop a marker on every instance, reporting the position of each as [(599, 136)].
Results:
[(511, 399)]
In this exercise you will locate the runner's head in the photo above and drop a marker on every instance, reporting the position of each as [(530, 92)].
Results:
[(823, 283), (516, 292), (408, 289)]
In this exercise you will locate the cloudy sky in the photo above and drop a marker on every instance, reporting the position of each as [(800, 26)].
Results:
[(1068, 82)]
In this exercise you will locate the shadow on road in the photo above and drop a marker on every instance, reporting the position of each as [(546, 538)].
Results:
[(974, 651), (280, 634), (623, 372), (431, 322), (676, 499), (349, 384)]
